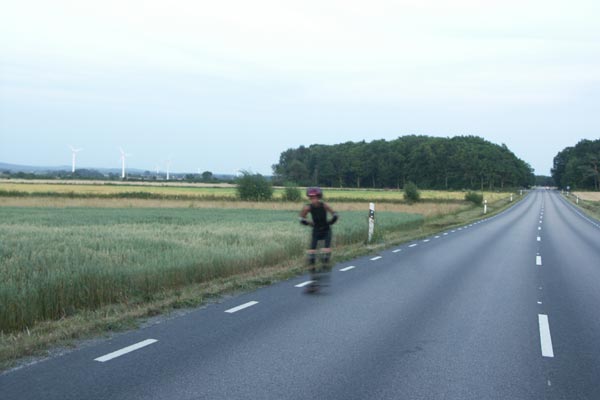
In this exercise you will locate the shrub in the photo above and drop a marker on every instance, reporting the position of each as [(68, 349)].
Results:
[(254, 187), (411, 192), (475, 198), (291, 192)]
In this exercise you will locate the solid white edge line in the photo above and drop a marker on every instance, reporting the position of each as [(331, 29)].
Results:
[(347, 268), (376, 258), (303, 284), (241, 307), (538, 260), (125, 350), (545, 338)]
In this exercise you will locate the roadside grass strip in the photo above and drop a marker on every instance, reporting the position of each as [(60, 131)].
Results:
[(241, 307), (125, 350)]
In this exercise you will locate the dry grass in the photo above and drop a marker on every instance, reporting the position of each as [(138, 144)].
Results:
[(203, 192), (425, 209), (588, 196)]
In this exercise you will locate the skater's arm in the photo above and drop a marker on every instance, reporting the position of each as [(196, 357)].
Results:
[(334, 216), (303, 215)]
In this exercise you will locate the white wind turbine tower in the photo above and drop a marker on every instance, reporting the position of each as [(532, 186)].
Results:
[(168, 162), (123, 155), (74, 152)]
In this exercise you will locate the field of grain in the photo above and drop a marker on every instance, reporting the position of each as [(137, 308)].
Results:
[(588, 196), (56, 261), (428, 209), (222, 192)]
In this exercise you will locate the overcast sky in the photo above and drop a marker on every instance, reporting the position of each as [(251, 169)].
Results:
[(229, 85)]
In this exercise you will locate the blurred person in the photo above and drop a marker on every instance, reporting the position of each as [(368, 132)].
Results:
[(321, 232)]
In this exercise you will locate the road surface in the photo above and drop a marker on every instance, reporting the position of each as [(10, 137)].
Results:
[(507, 308)]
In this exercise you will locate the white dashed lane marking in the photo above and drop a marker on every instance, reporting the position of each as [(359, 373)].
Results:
[(397, 251), (538, 260), (413, 245), (545, 338), (376, 258), (125, 350), (303, 284), (347, 268), (241, 307)]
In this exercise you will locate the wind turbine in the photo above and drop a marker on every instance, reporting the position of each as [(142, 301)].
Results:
[(123, 155), (74, 152), (168, 162)]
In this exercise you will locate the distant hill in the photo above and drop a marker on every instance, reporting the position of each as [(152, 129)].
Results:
[(30, 168)]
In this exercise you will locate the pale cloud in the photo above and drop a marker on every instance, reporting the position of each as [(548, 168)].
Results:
[(229, 66)]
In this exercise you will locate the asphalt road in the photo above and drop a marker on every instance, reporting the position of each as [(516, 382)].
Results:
[(507, 308)]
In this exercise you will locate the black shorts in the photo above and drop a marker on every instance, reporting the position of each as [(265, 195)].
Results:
[(318, 235)]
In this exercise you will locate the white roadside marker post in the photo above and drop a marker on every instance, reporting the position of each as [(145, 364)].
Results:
[(511, 197), (521, 192), (577, 199), (485, 206), (371, 220)]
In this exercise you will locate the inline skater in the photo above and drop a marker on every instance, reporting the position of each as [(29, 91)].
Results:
[(318, 210)]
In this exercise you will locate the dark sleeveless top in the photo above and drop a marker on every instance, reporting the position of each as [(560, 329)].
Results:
[(319, 217)]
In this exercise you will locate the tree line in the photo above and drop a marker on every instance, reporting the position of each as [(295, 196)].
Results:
[(461, 162), (578, 166)]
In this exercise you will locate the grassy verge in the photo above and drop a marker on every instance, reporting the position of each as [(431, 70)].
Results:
[(591, 208), (86, 323)]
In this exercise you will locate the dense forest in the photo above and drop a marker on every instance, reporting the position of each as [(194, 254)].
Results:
[(578, 167), (462, 162)]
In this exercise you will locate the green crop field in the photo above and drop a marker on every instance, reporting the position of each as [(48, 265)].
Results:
[(57, 261)]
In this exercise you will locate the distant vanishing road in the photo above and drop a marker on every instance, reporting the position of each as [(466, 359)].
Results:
[(507, 308)]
